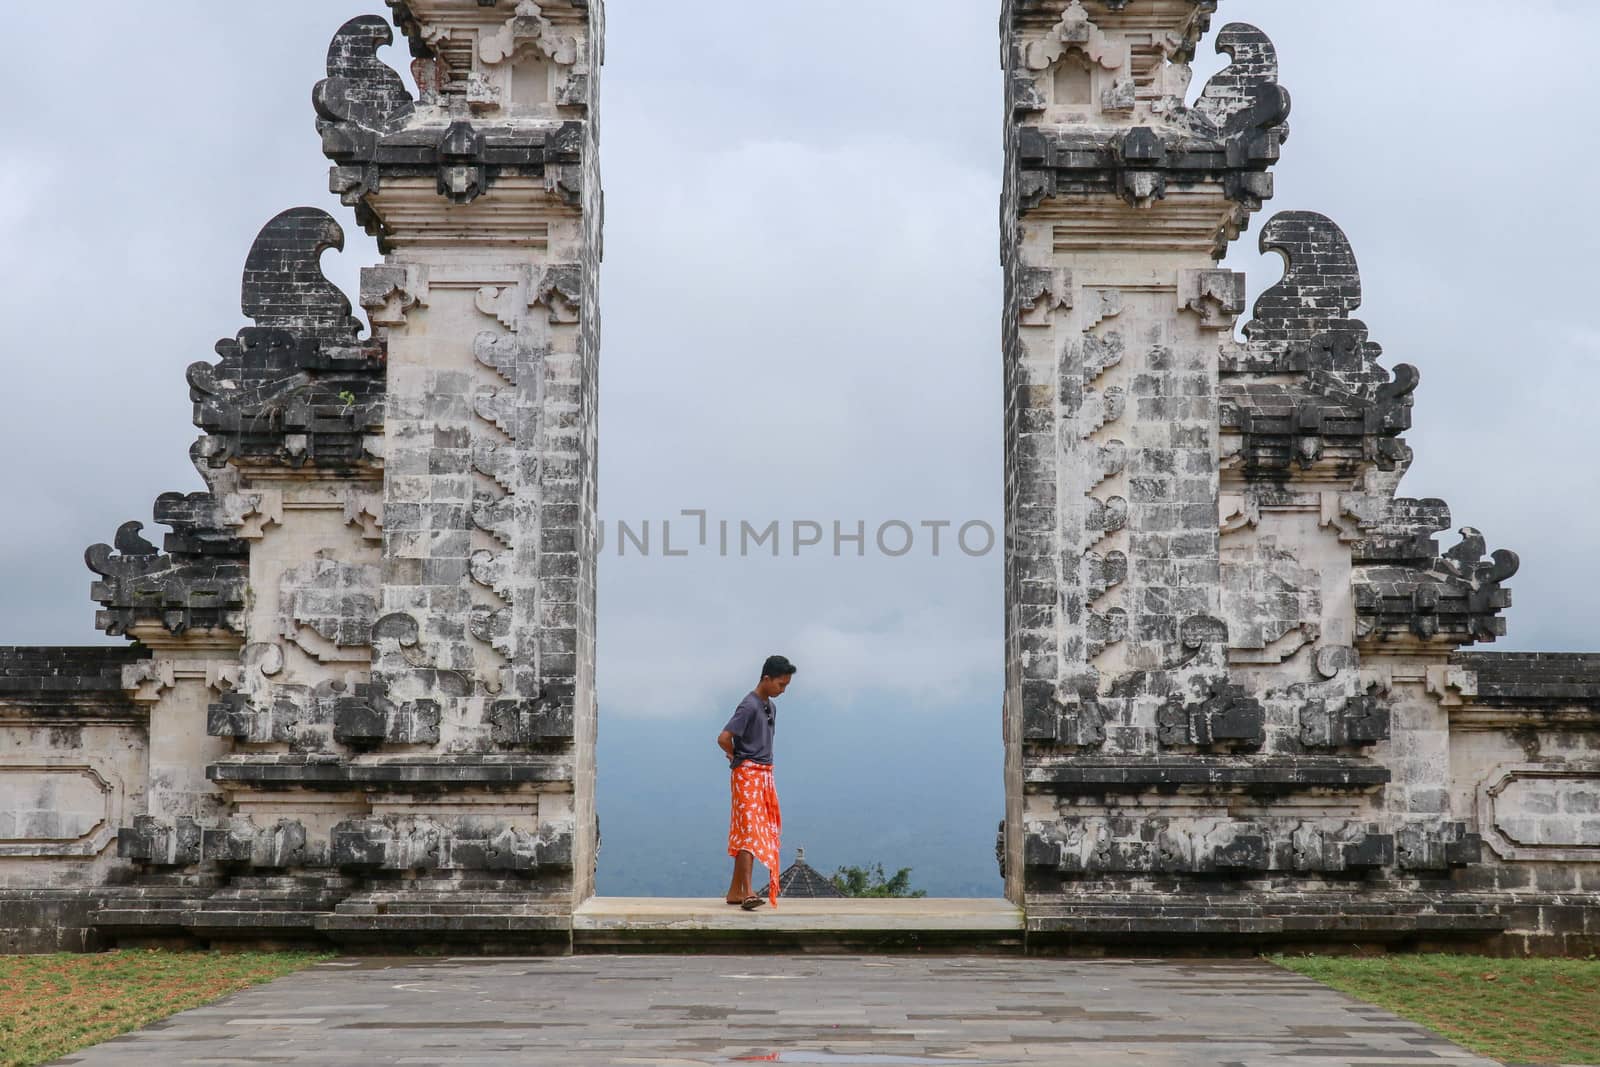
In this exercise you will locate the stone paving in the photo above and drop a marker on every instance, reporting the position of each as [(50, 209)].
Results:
[(658, 1011)]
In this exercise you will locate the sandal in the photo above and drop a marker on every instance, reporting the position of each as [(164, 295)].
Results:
[(752, 903)]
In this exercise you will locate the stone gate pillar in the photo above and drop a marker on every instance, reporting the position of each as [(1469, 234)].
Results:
[(1220, 620), (371, 642), (1119, 199), (485, 197)]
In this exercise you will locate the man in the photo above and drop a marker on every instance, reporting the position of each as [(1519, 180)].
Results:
[(756, 824)]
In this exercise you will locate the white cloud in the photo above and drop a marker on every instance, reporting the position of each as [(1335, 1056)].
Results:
[(802, 295), (21, 180)]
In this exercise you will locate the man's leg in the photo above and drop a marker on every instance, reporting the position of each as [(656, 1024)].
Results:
[(743, 866)]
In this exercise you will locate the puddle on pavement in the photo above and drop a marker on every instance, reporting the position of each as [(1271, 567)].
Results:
[(811, 1056)]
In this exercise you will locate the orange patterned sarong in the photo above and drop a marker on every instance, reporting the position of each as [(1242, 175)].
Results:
[(756, 826)]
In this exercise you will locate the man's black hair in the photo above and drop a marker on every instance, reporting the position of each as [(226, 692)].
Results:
[(777, 667)]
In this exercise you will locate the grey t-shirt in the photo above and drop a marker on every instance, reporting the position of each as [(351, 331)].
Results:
[(752, 726)]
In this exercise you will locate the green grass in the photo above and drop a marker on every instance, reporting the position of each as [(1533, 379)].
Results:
[(1518, 1011), (53, 1005)]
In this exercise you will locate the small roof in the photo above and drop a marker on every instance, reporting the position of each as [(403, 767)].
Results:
[(803, 880)]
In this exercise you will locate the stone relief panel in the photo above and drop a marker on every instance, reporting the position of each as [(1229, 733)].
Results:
[(329, 607), (1272, 601), (1542, 811), (58, 809)]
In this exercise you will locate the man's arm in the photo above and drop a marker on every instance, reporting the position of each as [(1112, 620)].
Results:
[(736, 726)]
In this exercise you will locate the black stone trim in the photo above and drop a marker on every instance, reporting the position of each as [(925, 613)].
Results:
[(1138, 165), (417, 152), (161, 844), (1534, 680), (1078, 775), (1361, 720), (1225, 717), (546, 720), (446, 772), (46, 677)]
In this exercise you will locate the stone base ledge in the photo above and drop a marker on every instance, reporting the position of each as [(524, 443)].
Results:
[(489, 920), (267, 909), (37, 921), (486, 923), (1220, 925)]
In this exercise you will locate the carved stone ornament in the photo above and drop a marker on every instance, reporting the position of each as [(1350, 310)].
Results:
[(1244, 106), (1076, 32), (362, 98), (299, 387), (528, 28), (198, 585)]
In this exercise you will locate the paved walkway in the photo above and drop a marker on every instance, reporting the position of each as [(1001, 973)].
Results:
[(656, 1011)]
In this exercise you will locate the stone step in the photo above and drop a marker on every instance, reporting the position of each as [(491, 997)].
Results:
[(621, 924), (267, 921)]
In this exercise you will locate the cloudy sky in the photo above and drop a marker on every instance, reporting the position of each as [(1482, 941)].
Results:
[(801, 303)]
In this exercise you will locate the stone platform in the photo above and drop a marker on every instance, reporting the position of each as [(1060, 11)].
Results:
[(1099, 922), (601, 1011), (666, 924)]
